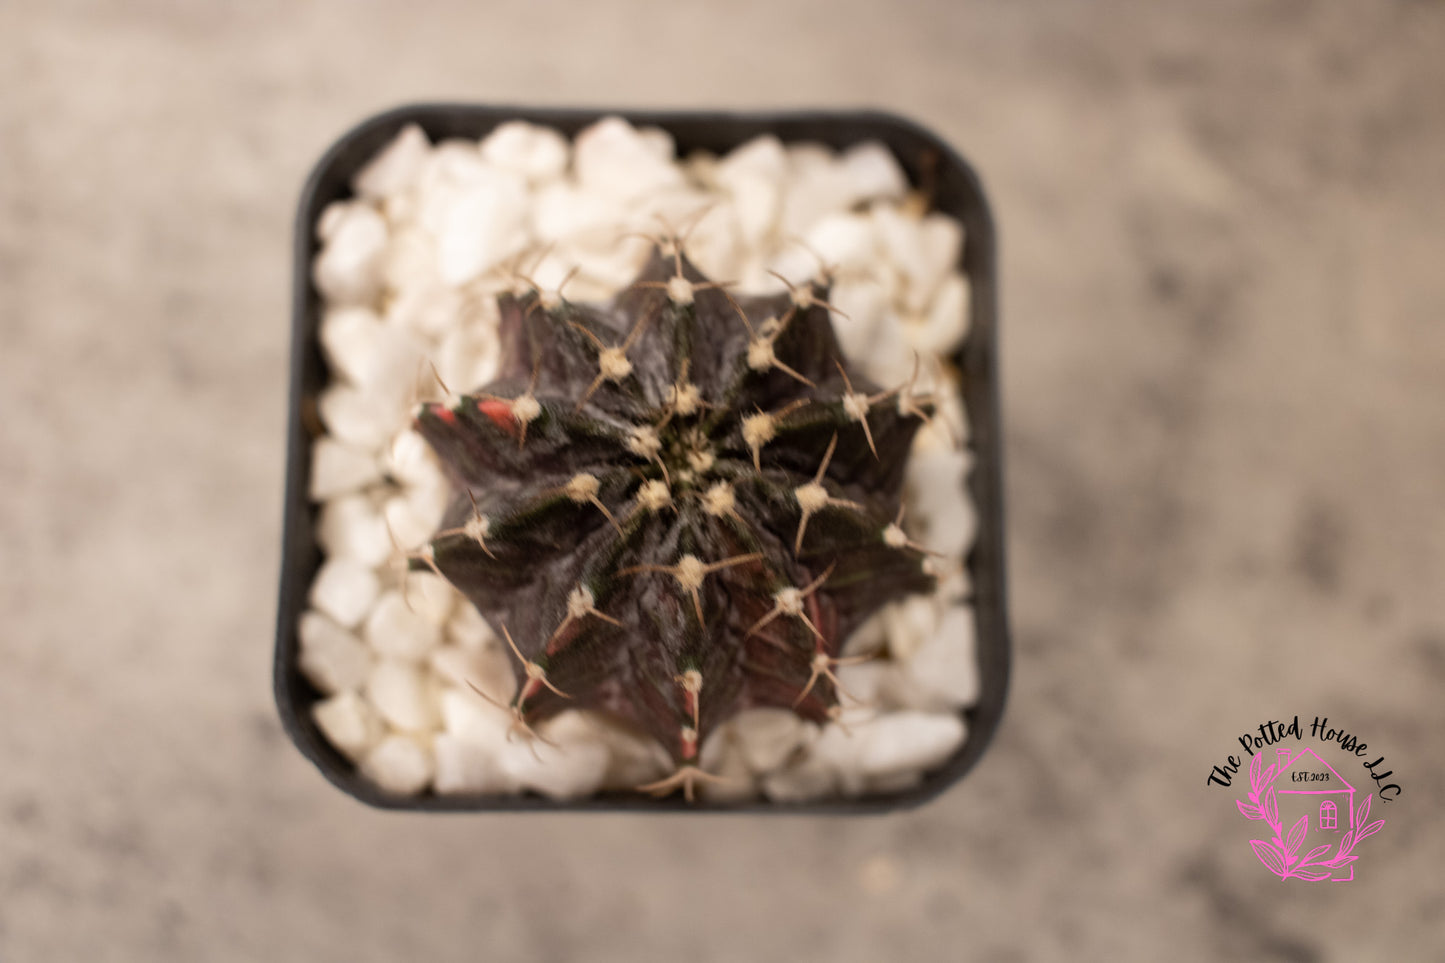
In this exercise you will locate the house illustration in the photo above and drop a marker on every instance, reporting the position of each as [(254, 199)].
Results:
[(1306, 785)]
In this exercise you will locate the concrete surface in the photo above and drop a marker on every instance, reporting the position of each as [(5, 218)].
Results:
[(1222, 231)]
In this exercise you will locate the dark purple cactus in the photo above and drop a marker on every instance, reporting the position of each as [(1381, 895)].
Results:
[(676, 506)]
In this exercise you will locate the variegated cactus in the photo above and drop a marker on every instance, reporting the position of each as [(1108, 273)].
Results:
[(675, 506)]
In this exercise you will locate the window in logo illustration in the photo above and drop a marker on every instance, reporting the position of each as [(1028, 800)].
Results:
[(1326, 822)]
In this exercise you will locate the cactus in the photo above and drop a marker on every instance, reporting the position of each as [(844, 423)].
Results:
[(675, 506)]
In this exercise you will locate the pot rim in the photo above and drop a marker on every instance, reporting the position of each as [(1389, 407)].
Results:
[(958, 191)]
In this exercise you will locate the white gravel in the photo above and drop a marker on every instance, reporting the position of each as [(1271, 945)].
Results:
[(409, 270)]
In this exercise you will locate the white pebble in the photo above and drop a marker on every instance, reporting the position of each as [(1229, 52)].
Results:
[(814, 190), (430, 596), (808, 158), (349, 723), (862, 306), (431, 309), (394, 374), (411, 258), (536, 153), (482, 224), (467, 767), (470, 750), (766, 738), (430, 501), (612, 158), (468, 629), (488, 670), (713, 246), (348, 269), (400, 694), (889, 361), (400, 211), (345, 590), (330, 218), (838, 749), (943, 673), (900, 237), (794, 263), (337, 469), (722, 756), (573, 767), (564, 212), (941, 329), (331, 657), (802, 781), (453, 163), (873, 172), (396, 166), (394, 630), (757, 203), (468, 357), (867, 681), (409, 459), (633, 760), (944, 513), (942, 248), (410, 526), (604, 273), (455, 665), (909, 622), (350, 341), (846, 243), (382, 359), (399, 764), (754, 175), (925, 250), (763, 158), (350, 527), (659, 142), (898, 742), (471, 718), (359, 418)]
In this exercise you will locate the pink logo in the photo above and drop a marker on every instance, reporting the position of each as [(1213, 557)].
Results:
[(1325, 823)]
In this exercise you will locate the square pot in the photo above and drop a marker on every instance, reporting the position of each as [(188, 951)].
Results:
[(956, 191)]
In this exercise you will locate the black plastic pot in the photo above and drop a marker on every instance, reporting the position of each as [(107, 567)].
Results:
[(927, 160)]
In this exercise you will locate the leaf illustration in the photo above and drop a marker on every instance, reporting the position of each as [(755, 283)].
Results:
[(1269, 774), (1271, 807), (1347, 843), (1315, 853), (1343, 861), (1362, 811), (1313, 875), (1268, 854), (1370, 830), (1296, 836), (1248, 811), (1256, 767)]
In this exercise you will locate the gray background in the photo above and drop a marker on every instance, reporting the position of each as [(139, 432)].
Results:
[(1222, 233)]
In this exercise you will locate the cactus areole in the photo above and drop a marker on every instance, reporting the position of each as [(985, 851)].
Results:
[(675, 506)]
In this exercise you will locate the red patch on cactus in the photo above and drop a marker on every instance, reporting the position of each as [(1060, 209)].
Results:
[(500, 412)]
